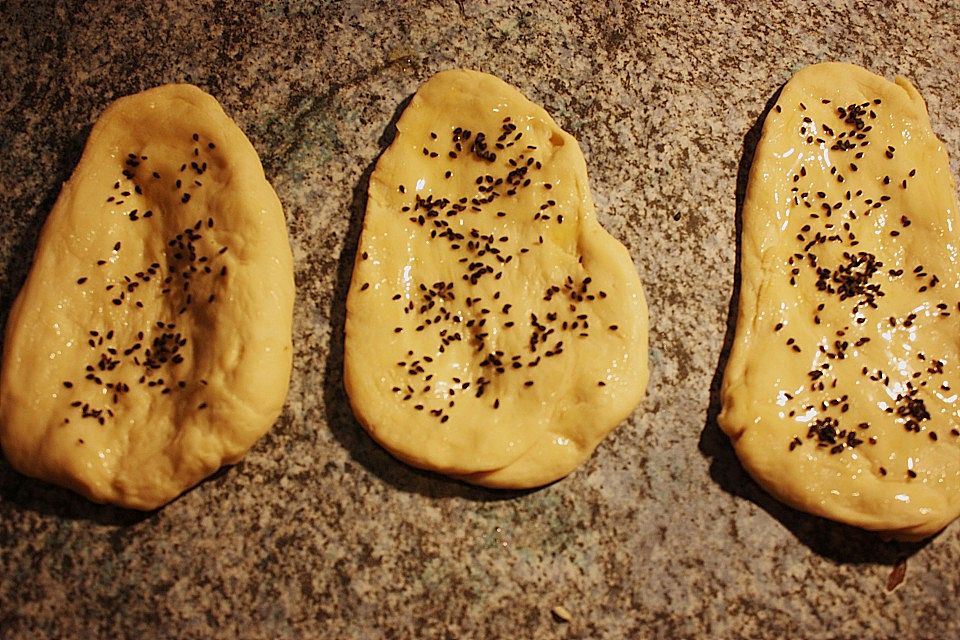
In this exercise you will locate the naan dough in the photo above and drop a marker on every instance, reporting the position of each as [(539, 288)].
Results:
[(840, 394), (495, 332), (151, 343)]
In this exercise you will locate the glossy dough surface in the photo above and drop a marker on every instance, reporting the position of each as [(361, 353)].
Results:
[(840, 394), (151, 343), (495, 332)]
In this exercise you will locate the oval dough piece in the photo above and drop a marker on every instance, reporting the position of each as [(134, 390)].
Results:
[(495, 332), (151, 342), (840, 394)]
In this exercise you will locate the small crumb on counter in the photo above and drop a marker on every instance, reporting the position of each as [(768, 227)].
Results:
[(897, 574), (561, 614)]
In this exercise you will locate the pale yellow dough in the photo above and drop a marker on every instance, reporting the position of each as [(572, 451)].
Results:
[(434, 368), (82, 402), (850, 411)]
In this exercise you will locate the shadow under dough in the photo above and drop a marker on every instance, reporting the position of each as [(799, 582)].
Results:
[(339, 416), (838, 542)]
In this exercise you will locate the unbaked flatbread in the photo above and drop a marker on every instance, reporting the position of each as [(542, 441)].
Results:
[(495, 332), (151, 342), (840, 394)]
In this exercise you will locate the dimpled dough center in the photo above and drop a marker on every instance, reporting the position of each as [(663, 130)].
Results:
[(840, 392), (151, 341), (495, 332)]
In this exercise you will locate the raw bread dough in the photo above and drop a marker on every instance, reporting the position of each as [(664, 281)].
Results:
[(495, 332), (840, 394), (151, 343)]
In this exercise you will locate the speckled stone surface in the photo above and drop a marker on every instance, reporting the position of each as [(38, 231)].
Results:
[(318, 533)]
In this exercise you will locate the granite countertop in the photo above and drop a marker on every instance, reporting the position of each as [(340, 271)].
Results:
[(318, 533)]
